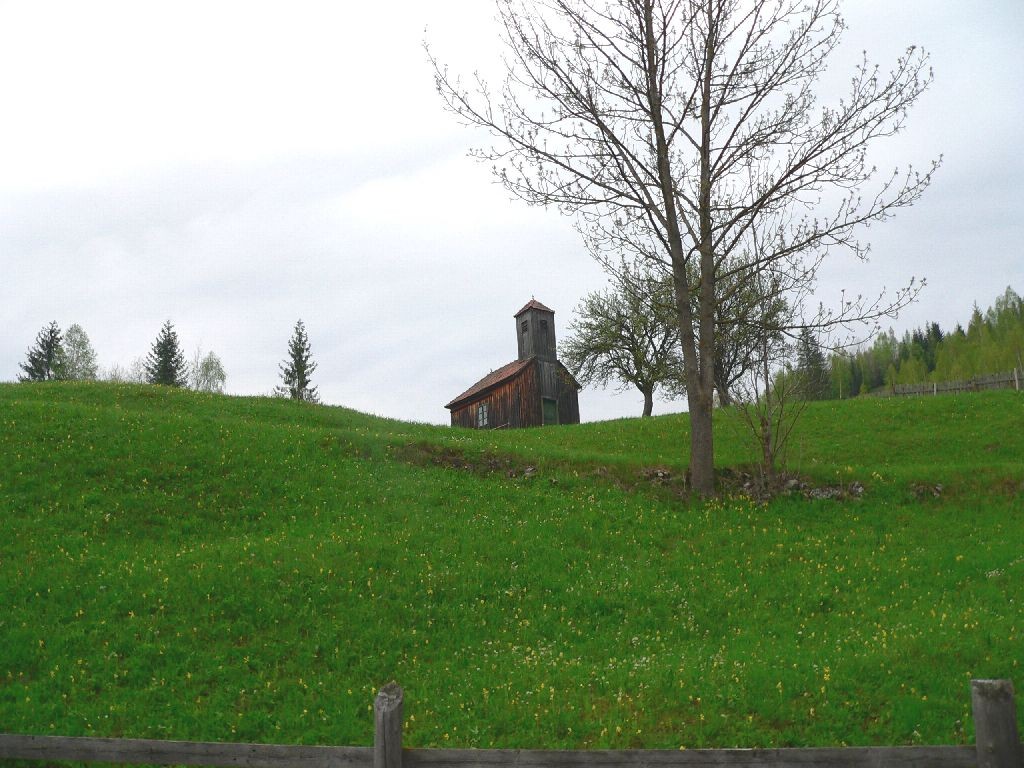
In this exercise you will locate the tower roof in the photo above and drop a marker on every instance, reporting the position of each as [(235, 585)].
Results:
[(533, 304)]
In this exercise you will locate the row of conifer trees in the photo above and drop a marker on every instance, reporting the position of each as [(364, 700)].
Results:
[(69, 356)]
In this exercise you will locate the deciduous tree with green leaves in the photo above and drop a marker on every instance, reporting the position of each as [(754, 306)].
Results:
[(206, 372), (77, 359), (627, 334)]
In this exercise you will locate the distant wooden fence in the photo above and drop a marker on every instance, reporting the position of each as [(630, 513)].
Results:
[(995, 725), (1012, 380)]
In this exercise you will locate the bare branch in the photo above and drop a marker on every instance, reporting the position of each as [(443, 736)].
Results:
[(687, 134)]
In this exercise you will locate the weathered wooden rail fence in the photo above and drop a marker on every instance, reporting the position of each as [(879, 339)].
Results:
[(1012, 380), (995, 724)]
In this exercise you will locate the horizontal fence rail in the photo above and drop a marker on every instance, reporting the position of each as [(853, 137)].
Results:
[(838, 757), (994, 709), (143, 751), (153, 752), (1012, 380)]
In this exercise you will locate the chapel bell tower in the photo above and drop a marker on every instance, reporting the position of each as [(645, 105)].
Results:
[(535, 331)]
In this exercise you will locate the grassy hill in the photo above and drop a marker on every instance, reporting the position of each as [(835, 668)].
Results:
[(177, 565)]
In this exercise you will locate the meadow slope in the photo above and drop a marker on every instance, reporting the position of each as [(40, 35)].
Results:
[(178, 565)]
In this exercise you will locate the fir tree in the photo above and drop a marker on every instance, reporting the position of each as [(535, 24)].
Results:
[(41, 360), (165, 363), (297, 369), (812, 367)]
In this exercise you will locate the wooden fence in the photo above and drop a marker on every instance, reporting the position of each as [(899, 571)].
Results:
[(1012, 380), (995, 725)]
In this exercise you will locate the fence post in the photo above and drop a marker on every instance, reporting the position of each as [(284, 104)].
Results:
[(1016, 380), (995, 724), (387, 727)]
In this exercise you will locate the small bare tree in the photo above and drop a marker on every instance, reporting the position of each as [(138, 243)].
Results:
[(750, 319), (769, 403), (133, 373), (688, 133), (136, 373)]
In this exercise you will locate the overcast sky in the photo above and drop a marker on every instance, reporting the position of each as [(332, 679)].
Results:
[(236, 166)]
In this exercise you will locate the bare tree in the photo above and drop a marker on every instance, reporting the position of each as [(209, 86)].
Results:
[(115, 373), (770, 399), (133, 373), (136, 371), (750, 321), (688, 132), (628, 335)]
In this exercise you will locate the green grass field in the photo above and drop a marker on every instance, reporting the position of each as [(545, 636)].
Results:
[(177, 565)]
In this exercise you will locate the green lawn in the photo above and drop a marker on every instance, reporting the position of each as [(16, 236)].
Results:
[(187, 566)]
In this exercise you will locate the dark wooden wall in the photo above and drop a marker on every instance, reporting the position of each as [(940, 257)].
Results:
[(539, 338), (517, 402), (514, 403), (568, 400)]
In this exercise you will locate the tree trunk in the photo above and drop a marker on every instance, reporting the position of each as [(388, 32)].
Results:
[(702, 463), (724, 397), (702, 467), (648, 401), (701, 449), (767, 438), (767, 454)]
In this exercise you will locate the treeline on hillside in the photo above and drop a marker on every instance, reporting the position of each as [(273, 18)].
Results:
[(992, 343), (69, 356)]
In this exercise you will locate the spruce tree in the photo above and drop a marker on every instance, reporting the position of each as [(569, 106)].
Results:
[(812, 367), (297, 369), (42, 359), (165, 363)]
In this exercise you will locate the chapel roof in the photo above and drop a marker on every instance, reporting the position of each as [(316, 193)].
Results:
[(492, 379)]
